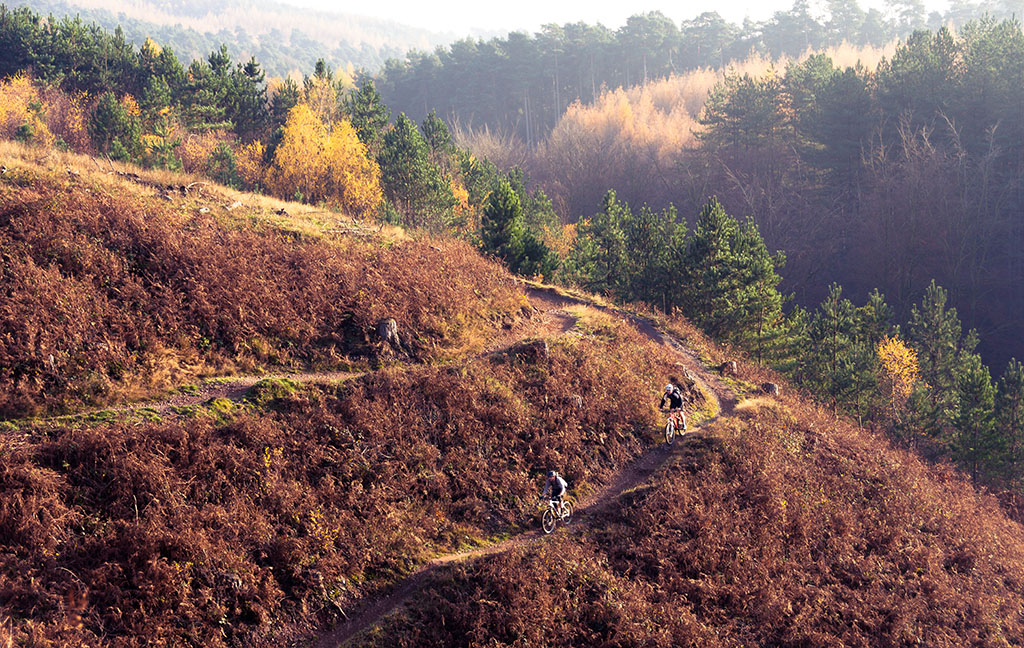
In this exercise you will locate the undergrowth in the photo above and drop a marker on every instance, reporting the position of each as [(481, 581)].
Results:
[(107, 296), (786, 528), (260, 528)]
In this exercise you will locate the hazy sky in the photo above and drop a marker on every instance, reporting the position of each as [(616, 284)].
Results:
[(461, 16)]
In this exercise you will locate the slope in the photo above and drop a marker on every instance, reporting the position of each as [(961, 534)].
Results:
[(115, 290), (261, 523), (783, 526)]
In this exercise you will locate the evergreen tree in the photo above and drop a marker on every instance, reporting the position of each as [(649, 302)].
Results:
[(731, 283), (114, 131), (247, 100), (975, 446), (1010, 420), (287, 97), (599, 257), (412, 183), (435, 132), (204, 97), (156, 99), (837, 362), (935, 333), (501, 225), (368, 114), (656, 241)]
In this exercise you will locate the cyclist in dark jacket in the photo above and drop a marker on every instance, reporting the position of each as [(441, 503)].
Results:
[(674, 399)]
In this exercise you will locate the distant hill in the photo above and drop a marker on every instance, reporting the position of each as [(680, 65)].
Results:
[(284, 39)]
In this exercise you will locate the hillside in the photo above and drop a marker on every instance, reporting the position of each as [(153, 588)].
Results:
[(410, 475), (138, 288), (779, 526)]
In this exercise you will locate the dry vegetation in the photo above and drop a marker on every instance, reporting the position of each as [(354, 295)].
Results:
[(259, 530), (633, 140), (784, 528), (108, 295)]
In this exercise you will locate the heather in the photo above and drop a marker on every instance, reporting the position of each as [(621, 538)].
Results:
[(107, 295), (781, 526)]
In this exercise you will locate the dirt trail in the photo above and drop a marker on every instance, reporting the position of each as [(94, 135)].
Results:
[(549, 302), (549, 321)]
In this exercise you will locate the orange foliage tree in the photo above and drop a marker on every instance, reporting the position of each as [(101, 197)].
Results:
[(322, 162), (899, 371)]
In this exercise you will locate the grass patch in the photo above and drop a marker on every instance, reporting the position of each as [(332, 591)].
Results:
[(269, 390)]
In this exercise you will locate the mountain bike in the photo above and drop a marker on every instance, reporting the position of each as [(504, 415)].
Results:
[(556, 510), (676, 423)]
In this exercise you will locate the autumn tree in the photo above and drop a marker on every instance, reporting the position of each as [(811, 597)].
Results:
[(899, 372), (321, 162)]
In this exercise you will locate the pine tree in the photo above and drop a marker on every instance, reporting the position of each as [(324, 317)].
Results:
[(935, 333), (975, 445), (599, 257), (501, 226), (731, 283), (204, 97), (837, 362), (114, 130), (247, 100), (285, 98), (413, 184), (656, 242), (1010, 420), (368, 114)]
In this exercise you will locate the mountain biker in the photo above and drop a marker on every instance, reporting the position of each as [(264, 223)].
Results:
[(674, 399), (555, 486)]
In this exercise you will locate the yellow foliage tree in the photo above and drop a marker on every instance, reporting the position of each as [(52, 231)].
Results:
[(249, 162), (324, 162), (899, 369), (23, 111)]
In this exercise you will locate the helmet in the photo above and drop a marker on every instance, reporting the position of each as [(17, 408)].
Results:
[(669, 387), (551, 473)]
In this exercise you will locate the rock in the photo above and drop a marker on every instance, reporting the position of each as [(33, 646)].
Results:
[(388, 331), (204, 210), (728, 368), (535, 350), (233, 206), (770, 388)]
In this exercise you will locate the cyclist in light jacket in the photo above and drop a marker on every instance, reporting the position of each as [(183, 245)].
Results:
[(555, 486)]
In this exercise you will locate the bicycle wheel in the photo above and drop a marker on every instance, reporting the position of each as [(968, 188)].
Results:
[(670, 432), (548, 521)]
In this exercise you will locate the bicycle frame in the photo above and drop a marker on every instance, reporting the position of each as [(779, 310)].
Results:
[(558, 506)]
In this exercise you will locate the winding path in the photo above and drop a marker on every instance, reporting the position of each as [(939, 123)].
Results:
[(546, 301)]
